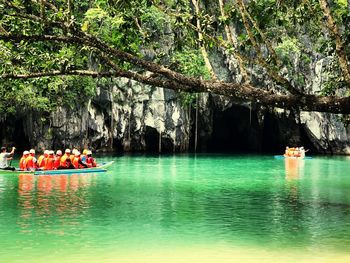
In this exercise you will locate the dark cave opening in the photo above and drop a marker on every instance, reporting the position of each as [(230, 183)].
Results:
[(235, 130), (152, 142), (117, 146), (12, 134), (281, 131)]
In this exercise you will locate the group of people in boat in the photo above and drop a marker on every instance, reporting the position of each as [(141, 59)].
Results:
[(49, 160), (295, 152)]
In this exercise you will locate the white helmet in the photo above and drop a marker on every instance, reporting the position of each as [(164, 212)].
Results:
[(31, 151), (67, 151), (59, 152), (77, 153), (25, 152)]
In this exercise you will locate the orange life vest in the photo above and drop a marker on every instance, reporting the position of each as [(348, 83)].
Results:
[(90, 162), (57, 161), (41, 160), (22, 163), (49, 163), (76, 163), (30, 163), (63, 161)]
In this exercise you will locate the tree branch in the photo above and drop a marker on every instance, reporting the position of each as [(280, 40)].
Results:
[(243, 92), (58, 73)]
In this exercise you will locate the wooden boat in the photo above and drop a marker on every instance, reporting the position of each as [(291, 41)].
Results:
[(291, 157), (99, 169)]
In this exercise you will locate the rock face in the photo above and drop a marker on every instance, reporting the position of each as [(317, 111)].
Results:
[(327, 133), (124, 117)]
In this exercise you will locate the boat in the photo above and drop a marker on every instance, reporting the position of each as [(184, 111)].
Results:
[(291, 157), (99, 169)]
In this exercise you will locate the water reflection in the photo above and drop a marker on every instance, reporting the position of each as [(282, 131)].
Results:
[(43, 197), (294, 168)]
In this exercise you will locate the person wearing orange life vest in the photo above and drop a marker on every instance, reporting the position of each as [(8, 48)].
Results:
[(72, 156), (42, 158), (30, 161), (57, 161), (63, 162), (49, 161), (22, 162), (90, 161), (77, 162)]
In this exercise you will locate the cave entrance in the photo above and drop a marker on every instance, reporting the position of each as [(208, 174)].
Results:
[(280, 131), (13, 134), (152, 141), (235, 130)]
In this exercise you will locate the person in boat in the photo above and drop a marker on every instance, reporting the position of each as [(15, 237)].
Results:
[(42, 159), (31, 161), (4, 157), (295, 152), (72, 156), (64, 158), (68, 165), (49, 161), (66, 162), (22, 161), (77, 161), (90, 161), (57, 161), (83, 156)]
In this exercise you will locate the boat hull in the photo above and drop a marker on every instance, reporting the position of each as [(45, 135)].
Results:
[(100, 169), (291, 157)]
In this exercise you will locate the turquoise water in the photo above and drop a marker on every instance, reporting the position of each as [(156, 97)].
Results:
[(183, 208)]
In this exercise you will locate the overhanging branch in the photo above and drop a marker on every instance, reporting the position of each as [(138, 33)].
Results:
[(58, 73)]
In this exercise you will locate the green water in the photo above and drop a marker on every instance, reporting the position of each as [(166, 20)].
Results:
[(151, 209)]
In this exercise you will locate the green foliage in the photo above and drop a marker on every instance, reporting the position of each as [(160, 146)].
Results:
[(112, 29), (187, 99), (45, 94), (288, 48), (191, 63), (18, 97), (340, 9), (334, 81), (154, 21)]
